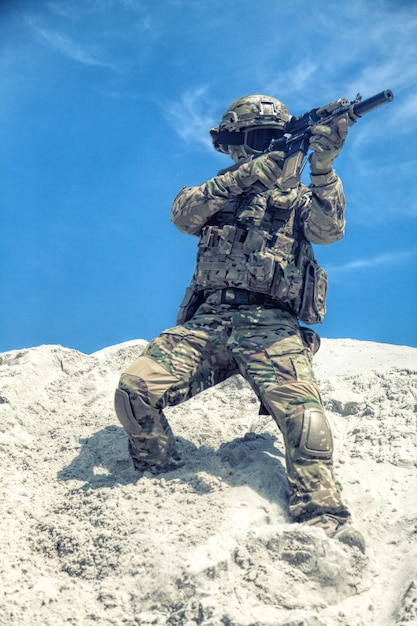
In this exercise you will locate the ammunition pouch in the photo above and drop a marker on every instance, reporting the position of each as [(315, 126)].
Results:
[(261, 266), (288, 284), (310, 304), (313, 303)]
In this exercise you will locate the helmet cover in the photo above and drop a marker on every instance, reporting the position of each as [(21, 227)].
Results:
[(251, 122)]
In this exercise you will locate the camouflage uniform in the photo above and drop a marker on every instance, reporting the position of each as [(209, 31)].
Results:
[(240, 316), (255, 277)]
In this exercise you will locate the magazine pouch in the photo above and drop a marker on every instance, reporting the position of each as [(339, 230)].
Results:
[(313, 303), (261, 267)]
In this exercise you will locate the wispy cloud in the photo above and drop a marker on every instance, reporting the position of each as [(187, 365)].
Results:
[(296, 79), (359, 50), (192, 116), (405, 111), (390, 258), (87, 54)]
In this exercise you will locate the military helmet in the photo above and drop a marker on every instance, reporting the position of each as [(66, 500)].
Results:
[(251, 122)]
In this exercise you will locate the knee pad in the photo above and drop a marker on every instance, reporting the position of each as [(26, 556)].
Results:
[(125, 414), (310, 431)]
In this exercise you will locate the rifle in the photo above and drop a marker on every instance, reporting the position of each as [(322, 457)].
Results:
[(297, 132)]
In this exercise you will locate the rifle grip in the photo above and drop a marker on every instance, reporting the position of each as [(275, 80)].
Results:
[(291, 170)]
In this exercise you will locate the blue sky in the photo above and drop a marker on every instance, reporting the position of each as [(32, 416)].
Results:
[(106, 107)]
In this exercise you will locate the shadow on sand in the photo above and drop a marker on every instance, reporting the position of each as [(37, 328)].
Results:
[(252, 460)]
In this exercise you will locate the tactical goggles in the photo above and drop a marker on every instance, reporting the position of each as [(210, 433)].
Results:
[(255, 139)]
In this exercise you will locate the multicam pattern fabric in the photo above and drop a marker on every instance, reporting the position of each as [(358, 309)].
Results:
[(266, 347), (322, 219), (250, 239), (260, 241)]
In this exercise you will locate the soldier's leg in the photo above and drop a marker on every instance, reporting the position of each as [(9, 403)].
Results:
[(174, 367), (272, 356), (151, 441), (313, 488)]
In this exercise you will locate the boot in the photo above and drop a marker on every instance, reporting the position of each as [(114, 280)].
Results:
[(338, 528)]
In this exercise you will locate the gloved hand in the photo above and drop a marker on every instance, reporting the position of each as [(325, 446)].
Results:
[(260, 173), (326, 143)]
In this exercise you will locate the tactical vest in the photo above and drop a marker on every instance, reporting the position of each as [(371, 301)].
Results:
[(256, 243)]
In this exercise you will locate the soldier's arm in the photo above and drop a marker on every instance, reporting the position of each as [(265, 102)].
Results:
[(323, 218), (194, 206)]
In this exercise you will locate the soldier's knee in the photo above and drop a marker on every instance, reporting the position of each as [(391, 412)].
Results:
[(149, 381), (138, 402), (309, 431), (131, 403), (133, 386)]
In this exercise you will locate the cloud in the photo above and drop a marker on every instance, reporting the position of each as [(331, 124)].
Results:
[(371, 263), (192, 116), (357, 49), (406, 111), (86, 54), (294, 80), (66, 30)]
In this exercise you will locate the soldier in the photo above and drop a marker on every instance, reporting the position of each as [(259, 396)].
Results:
[(255, 278)]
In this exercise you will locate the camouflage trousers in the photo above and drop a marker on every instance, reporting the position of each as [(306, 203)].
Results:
[(265, 346)]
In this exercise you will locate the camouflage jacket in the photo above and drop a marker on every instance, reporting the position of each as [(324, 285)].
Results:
[(260, 241)]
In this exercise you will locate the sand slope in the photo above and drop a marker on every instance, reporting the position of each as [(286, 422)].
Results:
[(85, 541)]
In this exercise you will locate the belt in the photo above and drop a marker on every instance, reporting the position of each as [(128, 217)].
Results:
[(239, 297)]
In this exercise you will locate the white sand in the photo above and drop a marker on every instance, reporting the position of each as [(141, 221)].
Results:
[(84, 541)]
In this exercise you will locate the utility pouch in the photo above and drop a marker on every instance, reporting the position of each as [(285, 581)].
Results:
[(227, 237), (255, 240), (261, 267), (313, 304), (282, 247), (189, 305), (288, 284)]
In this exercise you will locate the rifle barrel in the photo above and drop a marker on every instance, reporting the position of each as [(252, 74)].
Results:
[(373, 103)]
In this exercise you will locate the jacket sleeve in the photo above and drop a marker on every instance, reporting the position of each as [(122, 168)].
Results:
[(194, 206), (323, 217)]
